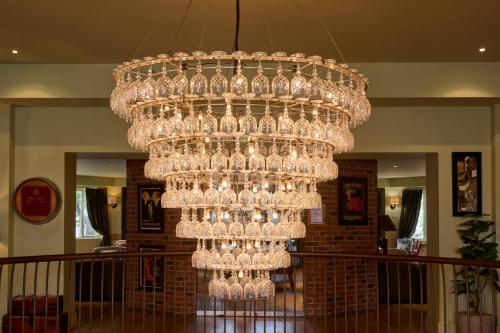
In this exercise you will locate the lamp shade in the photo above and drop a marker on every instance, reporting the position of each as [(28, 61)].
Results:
[(385, 223), (394, 200)]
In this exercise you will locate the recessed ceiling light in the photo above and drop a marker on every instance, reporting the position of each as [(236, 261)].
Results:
[(482, 49), (395, 166), (14, 51)]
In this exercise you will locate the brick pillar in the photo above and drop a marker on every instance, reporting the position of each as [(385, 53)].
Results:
[(334, 283), (179, 276)]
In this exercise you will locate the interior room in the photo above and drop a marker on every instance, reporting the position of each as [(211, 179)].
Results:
[(237, 165)]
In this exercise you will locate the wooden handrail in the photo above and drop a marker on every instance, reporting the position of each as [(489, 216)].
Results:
[(335, 255)]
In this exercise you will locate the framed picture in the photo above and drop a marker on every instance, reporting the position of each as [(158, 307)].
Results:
[(151, 268), (466, 182), (352, 201), (150, 213)]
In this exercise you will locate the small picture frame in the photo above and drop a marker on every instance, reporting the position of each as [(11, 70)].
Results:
[(151, 268), (466, 183), (150, 213), (352, 201)]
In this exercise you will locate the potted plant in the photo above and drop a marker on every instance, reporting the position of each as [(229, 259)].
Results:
[(477, 235)]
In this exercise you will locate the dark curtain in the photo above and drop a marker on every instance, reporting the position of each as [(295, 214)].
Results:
[(97, 209), (410, 207)]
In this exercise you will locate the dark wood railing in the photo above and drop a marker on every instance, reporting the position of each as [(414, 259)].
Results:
[(320, 292)]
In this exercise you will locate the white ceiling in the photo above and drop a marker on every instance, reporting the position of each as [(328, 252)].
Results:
[(405, 167), (101, 167)]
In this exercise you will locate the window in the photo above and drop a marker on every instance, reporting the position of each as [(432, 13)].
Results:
[(420, 230), (83, 227)]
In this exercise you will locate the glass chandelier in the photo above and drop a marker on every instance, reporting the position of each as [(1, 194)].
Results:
[(241, 141)]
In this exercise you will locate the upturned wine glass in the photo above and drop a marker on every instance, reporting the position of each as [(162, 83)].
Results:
[(218, 82), (280, 83), (260, 83), (248, 123), (239, 82), (298, 84), (163, 84), (199, 82)]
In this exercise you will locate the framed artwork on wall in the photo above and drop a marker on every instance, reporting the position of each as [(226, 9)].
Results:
[(352, 201), (150, 213), (151, 268), (466, 183), (37, 200)]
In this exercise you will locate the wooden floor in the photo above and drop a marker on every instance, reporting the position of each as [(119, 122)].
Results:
[(145, 322)]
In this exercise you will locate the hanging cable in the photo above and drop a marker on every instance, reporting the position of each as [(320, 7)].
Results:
[(203, 29), (330, 36), (181, 24), (237, 29), (268, 27), (150, 31)]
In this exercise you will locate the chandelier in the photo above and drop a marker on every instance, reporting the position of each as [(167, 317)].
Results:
[(241, 141)]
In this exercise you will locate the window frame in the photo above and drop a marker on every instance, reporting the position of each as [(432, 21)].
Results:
[(82, 223)]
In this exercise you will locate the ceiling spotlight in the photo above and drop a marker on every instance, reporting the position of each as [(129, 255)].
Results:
[(14, 51), (482, 49), (395, 166)]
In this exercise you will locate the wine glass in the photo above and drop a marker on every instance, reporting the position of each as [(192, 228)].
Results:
[(209, 122), (218, 82), (263, 198), (302, 125), (280, 83), (228, 260), (249, 291), (298, 84), (235, 292), (218, 161), (303, 162), (237, 160), (267, 124), (199, 82), (268, 228), (315, 84), (175, 123), (228, 123), (239, 82), (219, 228), (163, 84), (148, 87), (317, 128), (256, 161), (244, 261), (246, 197), (196, 196), (248, 123), (236, 229), (228, 196), (190, 122), (252, 230), (180, 83), (285, 123), (260, 83), (186, 160), (205, 230), (273, 161)]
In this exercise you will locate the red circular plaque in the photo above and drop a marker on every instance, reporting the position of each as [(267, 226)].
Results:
[(37, 200)]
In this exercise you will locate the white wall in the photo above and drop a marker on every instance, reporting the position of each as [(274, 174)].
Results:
[(43, 135), (440, 130)]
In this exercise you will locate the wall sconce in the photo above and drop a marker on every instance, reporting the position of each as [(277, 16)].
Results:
[(112, 201), (393, 202)]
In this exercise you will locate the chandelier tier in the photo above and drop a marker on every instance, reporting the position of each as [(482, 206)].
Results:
[(241, 142)]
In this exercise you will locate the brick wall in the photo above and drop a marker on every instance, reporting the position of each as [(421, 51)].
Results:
[(338, 281), (179, 276)]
